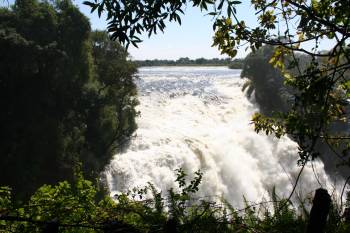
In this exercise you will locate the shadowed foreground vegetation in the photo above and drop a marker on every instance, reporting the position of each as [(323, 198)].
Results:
[(76, 208)]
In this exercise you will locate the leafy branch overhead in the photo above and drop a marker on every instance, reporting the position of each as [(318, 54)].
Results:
[(128, 19)]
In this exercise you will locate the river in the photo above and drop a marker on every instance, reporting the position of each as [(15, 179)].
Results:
[(199, 118)]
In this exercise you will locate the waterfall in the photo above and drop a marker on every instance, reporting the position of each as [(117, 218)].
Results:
[(199, 118)]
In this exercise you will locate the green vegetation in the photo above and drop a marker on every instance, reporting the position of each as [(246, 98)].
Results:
[(77, 208), (67, 95), (236, 64), (273, 96), (265, 82), (185, 61)]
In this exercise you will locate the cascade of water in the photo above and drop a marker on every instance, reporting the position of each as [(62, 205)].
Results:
[(198, 118)]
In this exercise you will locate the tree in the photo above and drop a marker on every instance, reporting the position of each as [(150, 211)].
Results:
[(265, 81), (112, 113), (322, 87), (59, 107)]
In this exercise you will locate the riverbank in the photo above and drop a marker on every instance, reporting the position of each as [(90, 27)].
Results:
[(233, 64)]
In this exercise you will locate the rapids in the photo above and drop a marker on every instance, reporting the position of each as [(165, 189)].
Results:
[(199, 118)]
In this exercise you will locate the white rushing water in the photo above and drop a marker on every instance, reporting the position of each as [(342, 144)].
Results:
[(198, 118)]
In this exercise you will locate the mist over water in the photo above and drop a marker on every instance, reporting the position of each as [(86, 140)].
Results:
[(198, 118)]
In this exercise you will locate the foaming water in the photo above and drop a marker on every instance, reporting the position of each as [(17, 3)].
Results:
[(198, 118)]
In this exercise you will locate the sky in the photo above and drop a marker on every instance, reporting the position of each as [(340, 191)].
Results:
[(192, 39)]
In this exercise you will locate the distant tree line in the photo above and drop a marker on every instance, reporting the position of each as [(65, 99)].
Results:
[(67, 95), (185, 61)]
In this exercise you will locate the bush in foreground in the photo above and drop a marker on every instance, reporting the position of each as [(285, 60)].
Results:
[(76, 208)]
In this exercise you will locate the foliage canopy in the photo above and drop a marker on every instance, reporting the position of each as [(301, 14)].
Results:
[(67, 95)]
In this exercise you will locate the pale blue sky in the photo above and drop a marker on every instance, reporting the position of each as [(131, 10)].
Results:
[(192, 39)]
